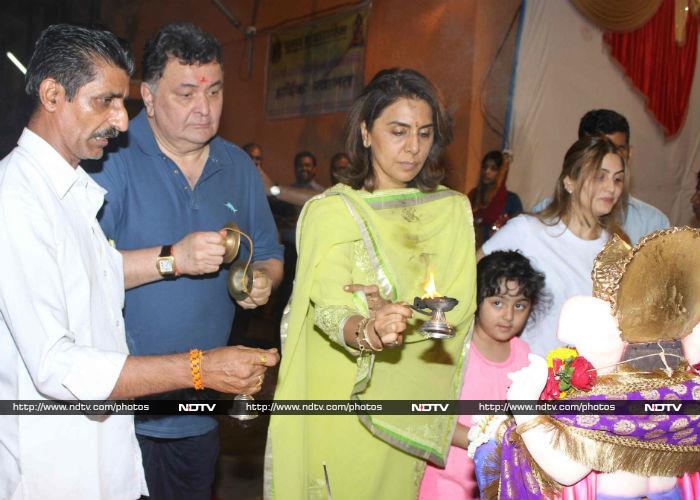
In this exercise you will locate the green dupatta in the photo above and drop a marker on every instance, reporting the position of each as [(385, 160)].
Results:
[(405, 233)]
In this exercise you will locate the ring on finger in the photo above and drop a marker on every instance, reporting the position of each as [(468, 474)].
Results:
[(263, 359), (260, 379)]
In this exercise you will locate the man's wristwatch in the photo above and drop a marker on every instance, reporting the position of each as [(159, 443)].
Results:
[(166, 262), (275, 190)]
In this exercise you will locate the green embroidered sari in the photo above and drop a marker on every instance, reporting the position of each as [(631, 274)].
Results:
[(392, 239)]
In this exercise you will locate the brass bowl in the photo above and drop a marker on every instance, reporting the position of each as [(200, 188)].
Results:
[(232, 242), (239, 283)]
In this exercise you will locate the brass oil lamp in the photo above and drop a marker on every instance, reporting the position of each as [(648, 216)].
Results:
[(437, 327)]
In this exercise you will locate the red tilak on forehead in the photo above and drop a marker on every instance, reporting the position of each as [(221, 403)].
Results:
[(203, 79)]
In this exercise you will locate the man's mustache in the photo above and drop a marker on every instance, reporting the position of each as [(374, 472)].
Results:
[(109, 133)]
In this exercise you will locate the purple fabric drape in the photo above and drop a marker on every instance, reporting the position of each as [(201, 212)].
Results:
[(516, 476)]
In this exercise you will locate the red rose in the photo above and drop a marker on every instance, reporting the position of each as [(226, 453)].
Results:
[(584, 375), (551, 389)]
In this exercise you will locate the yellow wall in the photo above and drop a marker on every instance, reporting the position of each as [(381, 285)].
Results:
[(453, 42)]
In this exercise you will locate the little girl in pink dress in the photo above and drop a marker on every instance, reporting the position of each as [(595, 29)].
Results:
[(508, 288)]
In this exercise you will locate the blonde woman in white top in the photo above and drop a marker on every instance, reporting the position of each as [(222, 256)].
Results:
[(563, 239)]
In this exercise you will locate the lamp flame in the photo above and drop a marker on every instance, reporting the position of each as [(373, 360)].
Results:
[(430, 290)]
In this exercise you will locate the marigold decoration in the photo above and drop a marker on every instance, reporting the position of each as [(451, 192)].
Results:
[(566, 371)]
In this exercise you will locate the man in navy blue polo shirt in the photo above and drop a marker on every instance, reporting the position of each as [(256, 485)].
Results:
[(170, 190)]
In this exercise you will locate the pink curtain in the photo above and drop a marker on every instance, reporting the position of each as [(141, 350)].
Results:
[(657, 67)]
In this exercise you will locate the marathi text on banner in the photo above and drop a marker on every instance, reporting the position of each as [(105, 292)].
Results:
[(316, 67)]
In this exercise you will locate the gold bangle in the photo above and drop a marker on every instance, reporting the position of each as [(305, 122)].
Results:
[(366, 336), (196, 368), (358, 329)]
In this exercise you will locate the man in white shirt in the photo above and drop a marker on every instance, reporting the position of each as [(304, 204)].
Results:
[(62, 288)]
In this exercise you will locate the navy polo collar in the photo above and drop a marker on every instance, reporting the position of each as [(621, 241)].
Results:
[(141, 132)]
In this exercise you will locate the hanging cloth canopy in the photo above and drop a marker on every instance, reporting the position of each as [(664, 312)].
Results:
[(618, 15)]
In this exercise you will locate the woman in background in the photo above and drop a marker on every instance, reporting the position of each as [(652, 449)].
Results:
[(563, 240), (492, 203)]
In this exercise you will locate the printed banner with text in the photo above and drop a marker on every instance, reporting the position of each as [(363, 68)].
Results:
[(316, 67)]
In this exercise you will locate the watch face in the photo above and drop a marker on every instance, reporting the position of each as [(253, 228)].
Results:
[(275, 190), (165, 266)]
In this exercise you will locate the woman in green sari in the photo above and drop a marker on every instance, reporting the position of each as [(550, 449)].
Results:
[(388, 224)]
